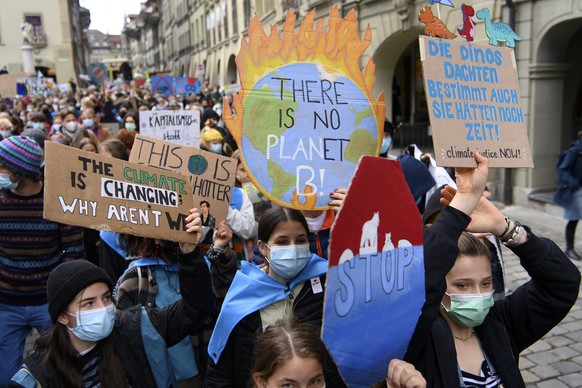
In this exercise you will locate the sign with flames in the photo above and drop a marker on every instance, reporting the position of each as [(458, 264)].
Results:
[(305, 113)]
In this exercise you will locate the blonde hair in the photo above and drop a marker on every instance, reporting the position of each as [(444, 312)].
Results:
[(211, 135)]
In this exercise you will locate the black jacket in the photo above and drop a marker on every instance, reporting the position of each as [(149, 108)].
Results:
[(234, 367), (141, 334), (512, 325)]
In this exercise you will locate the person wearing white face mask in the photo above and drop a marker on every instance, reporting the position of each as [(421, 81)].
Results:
[(92, 344), (5, 128), (463, 338), (71, 131), (290, 285), (30, 247)]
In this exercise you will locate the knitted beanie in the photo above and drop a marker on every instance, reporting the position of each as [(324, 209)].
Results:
[(67, 280), (21, 155)]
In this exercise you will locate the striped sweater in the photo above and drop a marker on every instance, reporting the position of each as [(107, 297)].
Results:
[(30, 247)]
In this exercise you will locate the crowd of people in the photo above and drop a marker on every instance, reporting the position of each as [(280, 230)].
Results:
[(237, 308)]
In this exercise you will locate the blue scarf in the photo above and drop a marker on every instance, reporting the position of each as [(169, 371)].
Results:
[(250, 291)]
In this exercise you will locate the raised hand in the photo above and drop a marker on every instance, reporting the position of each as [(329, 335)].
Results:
[(194, 226), (222, 235), (403, 375), (338, 197), (471, 182)]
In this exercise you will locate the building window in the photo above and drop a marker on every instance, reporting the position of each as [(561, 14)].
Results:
[(246, 11), (218, 24), (234, 17), (225, 18), (32, 28)]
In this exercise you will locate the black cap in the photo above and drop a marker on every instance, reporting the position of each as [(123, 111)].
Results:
[(67, 280)]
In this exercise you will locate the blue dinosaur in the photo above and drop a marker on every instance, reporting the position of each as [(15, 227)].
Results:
[(497, 32)]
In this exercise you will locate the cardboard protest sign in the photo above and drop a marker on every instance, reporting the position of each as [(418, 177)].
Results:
[(474, 103), (305, 112), (186, 85), (375, 282), (8, 84), (98, 72), (163, 85), (177, 126), (211, 176), (99, 192)]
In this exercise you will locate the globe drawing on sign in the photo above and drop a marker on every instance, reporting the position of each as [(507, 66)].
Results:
[(197, 164), (298, 144)]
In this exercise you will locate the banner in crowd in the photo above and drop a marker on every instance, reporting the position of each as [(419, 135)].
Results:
[(186, 85), (33, 87), (100, 192), (163, 84), (305, 112), (211, 176), (474, 103), (98, 72), (8, 84), (178, 126), (375, 282)]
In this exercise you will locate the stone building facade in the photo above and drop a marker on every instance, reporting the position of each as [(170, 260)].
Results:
[(548, 60)]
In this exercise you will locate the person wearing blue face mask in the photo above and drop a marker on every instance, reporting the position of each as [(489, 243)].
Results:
[(93, 344), (290, 285), (30, 248), (387, 139), (464, 338), (89, 123)]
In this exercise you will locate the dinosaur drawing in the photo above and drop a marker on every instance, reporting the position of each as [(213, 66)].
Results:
[(468, 30), (497, 32), (433, 25)]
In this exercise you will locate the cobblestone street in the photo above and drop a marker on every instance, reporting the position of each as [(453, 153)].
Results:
[(556, 360)]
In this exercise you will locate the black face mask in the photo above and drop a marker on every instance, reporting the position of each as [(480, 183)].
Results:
[(170, 249)]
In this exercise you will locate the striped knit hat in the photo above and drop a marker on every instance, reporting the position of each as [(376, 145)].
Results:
[(21, 155)]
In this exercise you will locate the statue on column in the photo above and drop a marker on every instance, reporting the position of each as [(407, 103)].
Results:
[(26, 29)]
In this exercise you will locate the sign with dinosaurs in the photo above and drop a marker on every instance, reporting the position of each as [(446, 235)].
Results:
[(305, 112), (375, 281), (474, 103)]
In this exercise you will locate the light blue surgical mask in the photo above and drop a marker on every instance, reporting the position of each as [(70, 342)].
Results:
[(94, 325), (287, 261), (386, 143), (38, 125), (6, 183), (88, 123), (469, 309), (6, 133), (216, 148), (57, 127)]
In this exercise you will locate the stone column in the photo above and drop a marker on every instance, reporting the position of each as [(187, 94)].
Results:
[(27, 60)]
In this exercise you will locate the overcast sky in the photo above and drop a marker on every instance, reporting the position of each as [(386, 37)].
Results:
[(107, 15)]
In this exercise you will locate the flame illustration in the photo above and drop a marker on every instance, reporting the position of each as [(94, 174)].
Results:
[(339, 48), (310, 200)]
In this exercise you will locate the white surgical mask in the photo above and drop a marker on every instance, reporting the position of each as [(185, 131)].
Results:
[(287, 261), (38, 125), (88, 123), (6, 183), (5, 133), (94, 325), (71, 127), (216, 148)]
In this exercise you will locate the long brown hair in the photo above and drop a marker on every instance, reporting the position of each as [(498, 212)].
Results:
[(63, 358)]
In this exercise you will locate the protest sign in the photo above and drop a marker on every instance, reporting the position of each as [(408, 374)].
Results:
[(211, 176), (177, 126), (8, 84), (99, 192), (97, 72), (305, 112), (163, 85), (474, 103), (32, 87), (186, 85), (375, 282)]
